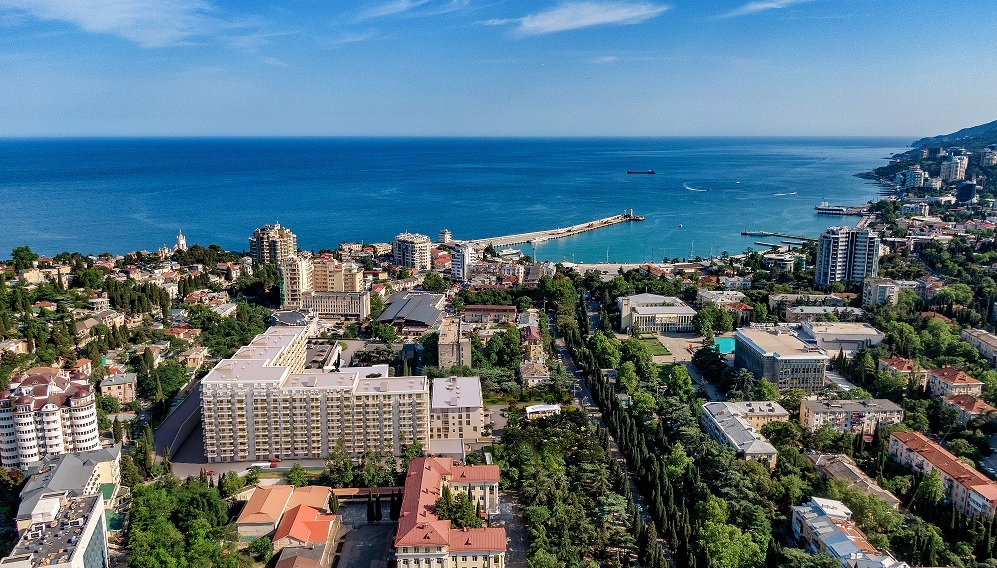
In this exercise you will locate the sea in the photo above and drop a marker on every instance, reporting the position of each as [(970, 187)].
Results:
[(117, 195)]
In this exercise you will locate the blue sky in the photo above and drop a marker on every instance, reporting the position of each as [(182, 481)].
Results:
[(495, 68)]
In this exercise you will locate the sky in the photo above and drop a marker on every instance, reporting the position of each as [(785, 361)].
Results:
[(495, 68)]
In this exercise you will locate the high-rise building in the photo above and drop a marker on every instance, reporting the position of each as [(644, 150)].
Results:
[(262, 404), (272, 243), (411, 250), (914, 176), (988, 158), (955, 168), (461, 260), (445, 236), (44, 414), (323, 286), (846, 254)]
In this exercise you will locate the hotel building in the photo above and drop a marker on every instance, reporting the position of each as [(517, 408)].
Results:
[(323, 287), (272, 243), (779, 356), (262, 404), (412, 250), (457, 411), (853, 416), (846, 254), (424, 540), (46, 413)]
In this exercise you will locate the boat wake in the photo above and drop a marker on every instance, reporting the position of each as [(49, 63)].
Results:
[(783, 194), (690, 188)]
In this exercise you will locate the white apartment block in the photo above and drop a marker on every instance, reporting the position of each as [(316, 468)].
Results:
[(457, 411), (988, 158), (914, 176), (846, 254), (262, 404), (984, 342), (66, 532), (461, 260), (412, 250), (42, 415), (955, 168), (778, 355), (919, 209), (272, 243)]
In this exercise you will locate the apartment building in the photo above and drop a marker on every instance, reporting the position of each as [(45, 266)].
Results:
[(425, 540), (457, 411), (971, 492), (272, 243), (651, 313), (489, 314), (776, 354), (969, 406), (853, 416), (120, 386), (739, 424), (412, 251), (323, 287), (880, 291), (262, 404), (846, 254), (66, 532), (454, 348), (954, 169), (75, 475), (46, 413), (905, 367), (984, 342), (948, 381), (462, 258), (826, 525)]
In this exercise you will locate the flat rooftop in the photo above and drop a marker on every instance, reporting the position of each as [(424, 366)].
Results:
[(841, 328), (778, 342), (56, 541), (871, 405), (454, 392)]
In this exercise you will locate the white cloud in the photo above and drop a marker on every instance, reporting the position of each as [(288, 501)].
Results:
[(604, 59), (575, 15), (761, 6), (149, 23), (274, 61), (390, 9), (353, 37)]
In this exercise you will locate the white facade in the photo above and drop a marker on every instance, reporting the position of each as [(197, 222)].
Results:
[(955, 168), (457, 411), (44, 415), (71, 534), (880, 291), (272, 243), (846, 254), (462, 258)]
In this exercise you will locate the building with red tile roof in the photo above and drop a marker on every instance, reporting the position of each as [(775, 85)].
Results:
[(423, 539), (971, 492), (905, 367), (947, 381), (303, 525), (969, 406), (263, 511)]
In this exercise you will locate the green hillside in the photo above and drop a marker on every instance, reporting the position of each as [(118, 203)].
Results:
[(971, 138)]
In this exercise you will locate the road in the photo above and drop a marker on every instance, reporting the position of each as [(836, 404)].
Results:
[(587, 403)]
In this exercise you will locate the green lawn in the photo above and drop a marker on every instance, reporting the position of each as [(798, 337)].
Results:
[(655, 347)]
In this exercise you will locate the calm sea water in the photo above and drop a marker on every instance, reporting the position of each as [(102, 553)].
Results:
[(118, 195)]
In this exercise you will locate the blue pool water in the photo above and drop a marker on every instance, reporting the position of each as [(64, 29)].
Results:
[(725, 344)]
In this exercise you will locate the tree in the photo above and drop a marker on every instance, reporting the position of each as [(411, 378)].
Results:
[(371, 515), (333, 503), (253, 475), (297, 476), (766, 390), (340, 468), (377, 508), (22, 257), (436, 283), (261, 549), (929, 494)]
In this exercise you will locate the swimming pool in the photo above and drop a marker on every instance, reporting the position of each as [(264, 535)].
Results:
[(725, 344)]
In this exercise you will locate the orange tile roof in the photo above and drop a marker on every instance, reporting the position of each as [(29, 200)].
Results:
[(305, 524), (941, 459), (266, 505), (969, 403), (316, 496), (954, 376), (297, 561), (898, 363), (855, 535), (419, 525)]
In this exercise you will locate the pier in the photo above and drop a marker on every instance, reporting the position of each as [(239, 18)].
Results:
[(748, 233), (541, 236)]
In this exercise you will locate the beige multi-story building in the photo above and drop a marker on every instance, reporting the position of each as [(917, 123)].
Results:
[(947, 381), (984, 342), (323, 287), (880, 291), (120, 386), (262, 404), (778, 355), (969, 406), (489, 314), (457, 411), (853, 416), (454, 349), (46, 414), (412, 251), (988, 157), (954, 169), (424, 540), (739, 424), (651, 313), (272, 243), (971, 492)]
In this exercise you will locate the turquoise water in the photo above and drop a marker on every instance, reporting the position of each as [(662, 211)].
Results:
[(725, 344), (118, 195)]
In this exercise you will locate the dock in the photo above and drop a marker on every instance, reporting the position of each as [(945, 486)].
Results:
[(825, 209), (764, 244), (748, 233), (541, 236)]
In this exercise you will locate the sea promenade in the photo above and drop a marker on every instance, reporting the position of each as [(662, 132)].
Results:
[(541, 236)]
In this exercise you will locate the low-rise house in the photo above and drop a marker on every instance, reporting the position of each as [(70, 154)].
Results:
[(489, 314), (969, 406), (120, 386), (532, 342), (267, 505), (718, 297), (840, 466), (542, 410), (853, 416), (969, 491), (825, 525), (18, 346), (814, 299), (533, 373), (984, 342), (193, 357), (302, 525), (947, 381), (739, 424), (905, 367)]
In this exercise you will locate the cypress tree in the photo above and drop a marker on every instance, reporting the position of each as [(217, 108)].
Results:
[(370, 509)]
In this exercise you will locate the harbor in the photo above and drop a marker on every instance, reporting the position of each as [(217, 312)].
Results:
[(844, 210), (541, 236), (748, 233)]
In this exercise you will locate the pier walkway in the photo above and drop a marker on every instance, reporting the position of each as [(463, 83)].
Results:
[(541, 236)]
